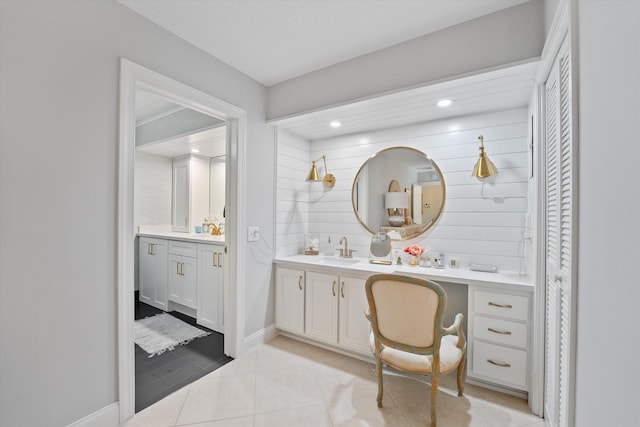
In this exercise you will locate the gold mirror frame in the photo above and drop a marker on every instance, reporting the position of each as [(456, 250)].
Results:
[(376, 197)]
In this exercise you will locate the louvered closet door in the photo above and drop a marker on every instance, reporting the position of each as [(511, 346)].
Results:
[(559, 232)]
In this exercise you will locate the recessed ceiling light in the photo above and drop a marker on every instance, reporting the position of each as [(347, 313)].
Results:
[(195, 150), (335, 124), (444, 103)]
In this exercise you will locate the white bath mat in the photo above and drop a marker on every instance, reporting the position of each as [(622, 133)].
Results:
[(164, 332)]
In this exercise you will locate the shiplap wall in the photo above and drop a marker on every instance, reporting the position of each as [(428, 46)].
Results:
[(472, 227), (292, 193), (152, 189)]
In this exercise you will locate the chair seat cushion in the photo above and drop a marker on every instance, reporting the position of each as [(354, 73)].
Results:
[(450, 356)]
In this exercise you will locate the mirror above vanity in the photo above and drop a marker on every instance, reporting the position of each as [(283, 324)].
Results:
[(399, 191)]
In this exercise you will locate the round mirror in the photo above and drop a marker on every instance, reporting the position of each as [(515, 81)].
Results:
[(399, 191)]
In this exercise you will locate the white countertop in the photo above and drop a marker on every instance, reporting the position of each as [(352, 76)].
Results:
[(452, 275), (186, 237)]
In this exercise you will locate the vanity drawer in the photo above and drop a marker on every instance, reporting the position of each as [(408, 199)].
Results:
[(500, 331), (501, 364), (183, 248), (504, 305)]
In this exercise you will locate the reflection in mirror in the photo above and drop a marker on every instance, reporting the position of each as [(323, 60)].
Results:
[(398, 170)]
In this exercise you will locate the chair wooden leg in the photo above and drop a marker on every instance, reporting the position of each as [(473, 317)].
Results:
[(461, 374), (379, 372), (434, 392)]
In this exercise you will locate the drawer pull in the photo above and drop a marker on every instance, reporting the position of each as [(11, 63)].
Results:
[(502, 365), (342, 290), (496, 331), (300, 282), (500, 305), (333, 288)]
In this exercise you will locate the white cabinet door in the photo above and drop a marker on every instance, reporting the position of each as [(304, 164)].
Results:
[(321, 304), (354, 326), (182, 280), (210, 289), (153, 272), (290, 289), (559, 202)]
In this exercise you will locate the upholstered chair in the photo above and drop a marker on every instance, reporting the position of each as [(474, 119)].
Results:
[(406, 315)]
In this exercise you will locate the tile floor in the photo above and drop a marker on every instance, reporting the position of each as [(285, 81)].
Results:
[(290, 383)]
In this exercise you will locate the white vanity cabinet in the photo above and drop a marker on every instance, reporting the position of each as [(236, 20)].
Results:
[(182, 273), (321, 307), (324, 307), (152, 270), (499, 325), (290, 290), (210, 289)]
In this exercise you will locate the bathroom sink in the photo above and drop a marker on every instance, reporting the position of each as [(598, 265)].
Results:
[(335, 260)]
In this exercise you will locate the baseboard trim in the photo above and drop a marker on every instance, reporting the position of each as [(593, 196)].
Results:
[(258, 338), (109, 416)]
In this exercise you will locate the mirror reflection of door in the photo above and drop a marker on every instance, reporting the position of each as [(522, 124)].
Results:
[(431, 202)]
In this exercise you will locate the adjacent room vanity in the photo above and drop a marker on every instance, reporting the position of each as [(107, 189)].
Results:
[(322, 299), (183, 272)]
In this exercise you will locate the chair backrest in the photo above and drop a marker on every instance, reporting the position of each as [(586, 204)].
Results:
[(406, 312)]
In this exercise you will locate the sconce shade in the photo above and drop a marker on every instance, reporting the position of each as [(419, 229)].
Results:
[(314, 175), (484, 167), (396, 200), (328, 180)]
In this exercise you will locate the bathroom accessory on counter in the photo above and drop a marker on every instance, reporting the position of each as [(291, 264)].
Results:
[(311, 244), (487, 268), (380, 249)]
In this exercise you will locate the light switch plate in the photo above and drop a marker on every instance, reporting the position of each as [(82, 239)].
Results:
[(253, 234)]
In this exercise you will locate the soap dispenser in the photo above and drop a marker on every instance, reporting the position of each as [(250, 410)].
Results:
[(328, 248)]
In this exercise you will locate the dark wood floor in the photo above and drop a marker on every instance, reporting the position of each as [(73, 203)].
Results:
[(159, 376)]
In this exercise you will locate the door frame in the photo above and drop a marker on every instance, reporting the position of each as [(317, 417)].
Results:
[(134, 76)]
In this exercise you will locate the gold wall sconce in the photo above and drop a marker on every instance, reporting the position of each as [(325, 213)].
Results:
[(484, 167), (328, 180)]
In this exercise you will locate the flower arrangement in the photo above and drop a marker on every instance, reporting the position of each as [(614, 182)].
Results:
[(414, 250)]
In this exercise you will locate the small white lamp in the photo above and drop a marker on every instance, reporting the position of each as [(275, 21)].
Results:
[(396, 200)]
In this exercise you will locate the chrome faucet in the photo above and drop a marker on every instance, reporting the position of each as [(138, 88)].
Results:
[(345, 252)]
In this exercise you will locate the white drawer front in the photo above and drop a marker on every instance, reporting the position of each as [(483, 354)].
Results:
[(500, 331), (500, 364), (504, 305), (183, 248)]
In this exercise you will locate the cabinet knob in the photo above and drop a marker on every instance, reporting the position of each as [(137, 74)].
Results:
[(333, 288), (300, 282), (342, 290)]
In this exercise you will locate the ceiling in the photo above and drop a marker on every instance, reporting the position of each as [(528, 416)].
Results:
[(275, 40), (171, 130), (496, 90)]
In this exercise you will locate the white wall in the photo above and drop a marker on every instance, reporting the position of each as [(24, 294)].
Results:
[(59, 79), (493, 40), (472, 228), (608, 349)]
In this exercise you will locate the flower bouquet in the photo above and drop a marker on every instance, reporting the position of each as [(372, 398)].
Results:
[(414, 251)]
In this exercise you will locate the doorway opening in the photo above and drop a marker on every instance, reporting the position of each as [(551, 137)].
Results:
[(229, 120)]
